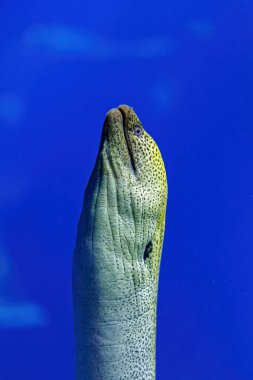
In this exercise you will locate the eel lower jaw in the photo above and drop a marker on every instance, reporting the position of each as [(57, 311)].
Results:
[(124, 113)]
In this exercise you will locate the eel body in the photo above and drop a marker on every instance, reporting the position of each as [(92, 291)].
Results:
[(117, 255)]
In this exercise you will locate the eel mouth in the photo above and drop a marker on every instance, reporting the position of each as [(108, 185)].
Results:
[(124, 110)]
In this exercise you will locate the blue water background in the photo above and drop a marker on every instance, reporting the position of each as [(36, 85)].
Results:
[(187, 69)]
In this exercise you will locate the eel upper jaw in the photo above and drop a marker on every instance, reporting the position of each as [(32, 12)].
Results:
[(124, 110)]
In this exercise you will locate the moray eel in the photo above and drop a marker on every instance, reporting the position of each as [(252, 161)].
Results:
[(117, 255)]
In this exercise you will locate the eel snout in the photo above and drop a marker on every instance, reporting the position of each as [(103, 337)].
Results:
[(119, 118)]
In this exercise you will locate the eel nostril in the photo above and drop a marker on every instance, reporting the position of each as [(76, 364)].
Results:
[(148, 251)]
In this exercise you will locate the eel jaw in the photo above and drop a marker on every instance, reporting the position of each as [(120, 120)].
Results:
[(124, 110)]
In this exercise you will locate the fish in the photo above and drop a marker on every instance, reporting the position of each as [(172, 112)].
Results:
[(117, 255)]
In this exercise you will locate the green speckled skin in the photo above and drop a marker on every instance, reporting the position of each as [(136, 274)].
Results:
[(117, 255)]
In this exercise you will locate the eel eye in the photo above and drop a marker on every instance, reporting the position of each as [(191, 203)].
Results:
[(137, 131)]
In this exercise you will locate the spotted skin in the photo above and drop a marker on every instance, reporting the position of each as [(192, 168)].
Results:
[(117, 255)]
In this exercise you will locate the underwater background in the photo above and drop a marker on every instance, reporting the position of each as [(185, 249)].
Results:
[(187, 69)]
